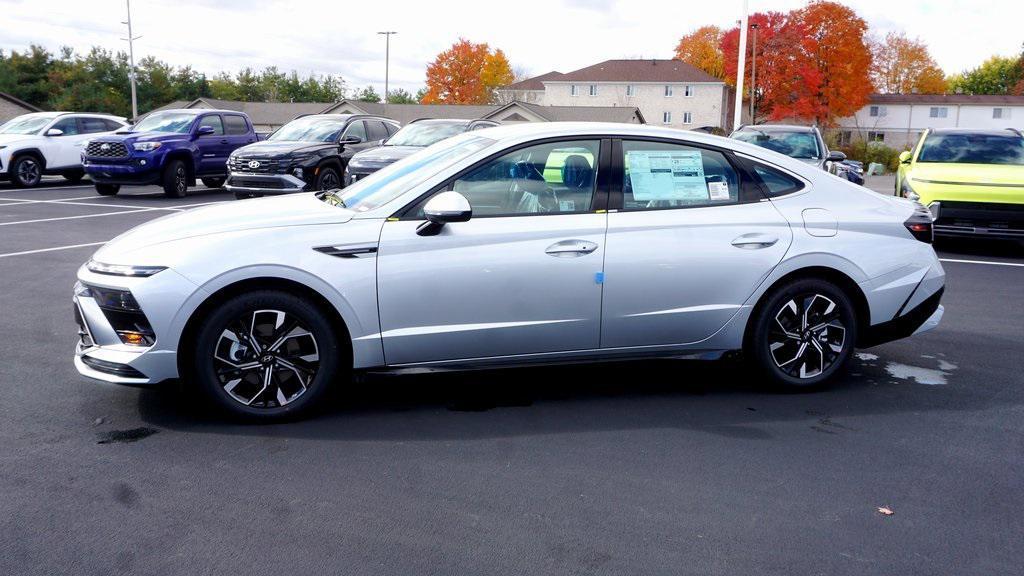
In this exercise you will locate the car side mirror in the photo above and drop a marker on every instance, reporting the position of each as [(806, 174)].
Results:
[(444, 208), (836, 156), (204, 130), (905, 157), (54, 132), (350, 140)]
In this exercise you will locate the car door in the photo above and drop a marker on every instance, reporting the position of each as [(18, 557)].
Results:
[(65, 150), (521, 277), (213, 148), (689, 242)]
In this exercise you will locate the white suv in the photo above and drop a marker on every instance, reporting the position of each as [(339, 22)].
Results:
[(49, 143)]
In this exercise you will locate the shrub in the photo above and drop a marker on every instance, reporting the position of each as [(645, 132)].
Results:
[(868, 152)]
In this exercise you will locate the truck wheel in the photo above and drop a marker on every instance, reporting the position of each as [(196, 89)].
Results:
[(74, 177), (328, 179), (175, 179), (107, 189), (213, 182), (26, 171)]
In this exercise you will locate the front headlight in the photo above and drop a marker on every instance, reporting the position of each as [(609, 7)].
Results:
[(908, 192), (123, 269), (146, 146)]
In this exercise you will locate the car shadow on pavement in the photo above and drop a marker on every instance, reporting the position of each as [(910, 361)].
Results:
[(980, 247), (720, 398)]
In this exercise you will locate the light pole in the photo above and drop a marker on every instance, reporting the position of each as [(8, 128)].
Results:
[(131, 59), (738, 108), (753, 77), (387, 63)]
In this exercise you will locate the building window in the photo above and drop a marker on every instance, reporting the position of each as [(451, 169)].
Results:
[(629, 90), (593, 89), (668, 91), (666, 117), (877, 111), (687, 117), (574, 90), (937, 112), (688, 91), (845, 137), (876, 137), (1000, 113)]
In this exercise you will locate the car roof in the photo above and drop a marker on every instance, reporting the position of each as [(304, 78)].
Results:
[(976, 132), (777, 128), (55, 114), (196, 111)]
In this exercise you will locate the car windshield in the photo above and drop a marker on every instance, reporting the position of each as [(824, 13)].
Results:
[(391, 182), (973, 149), (792, 144), (425, 133), (25, 125), (176, 122), (310, 129)]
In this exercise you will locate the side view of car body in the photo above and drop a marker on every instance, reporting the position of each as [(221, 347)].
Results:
[(32, 145), (308, 153), (524, 244), (172, 148), (412, 138), (972, 181), (804, 143)]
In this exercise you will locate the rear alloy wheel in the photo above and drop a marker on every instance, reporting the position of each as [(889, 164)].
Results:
[(328, 179), (27, 171), (213, 182), (266, 355), (805, 333), (175, 181)]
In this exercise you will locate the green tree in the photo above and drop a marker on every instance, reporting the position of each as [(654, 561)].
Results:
[(401, 96), (997, 75), (367, 94), (224, 87)]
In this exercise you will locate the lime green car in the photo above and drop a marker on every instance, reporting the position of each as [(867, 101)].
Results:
[(972, 181)]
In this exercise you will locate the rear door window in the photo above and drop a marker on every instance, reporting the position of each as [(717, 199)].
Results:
[(775, 182), (92, 125), (235, 125), (659, 175), (376, 131)]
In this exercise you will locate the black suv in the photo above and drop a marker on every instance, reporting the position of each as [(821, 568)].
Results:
[(308, 153), (412, 138)]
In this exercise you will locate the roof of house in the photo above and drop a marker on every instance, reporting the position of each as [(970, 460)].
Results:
[(583, 113), (535, 83), (406, 113), (951, 99), (638, 71), (20, 102), (263, 113)]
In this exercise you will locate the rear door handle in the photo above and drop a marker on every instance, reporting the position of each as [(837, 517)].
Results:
[(754, 241), (224, 141), (570, 248)]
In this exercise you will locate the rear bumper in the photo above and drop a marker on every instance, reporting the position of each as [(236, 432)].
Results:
[(243, 184), (981, 219), (921, 318)]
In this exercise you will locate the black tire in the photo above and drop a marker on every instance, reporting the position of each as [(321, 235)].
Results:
[(779, 332), (247, 195), (175, 179), (214, 182), (26, 171), (328, 179), (73, 177), (108, 189), (292, 390)]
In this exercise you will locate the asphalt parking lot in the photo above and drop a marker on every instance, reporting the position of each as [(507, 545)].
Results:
[(640, 468)]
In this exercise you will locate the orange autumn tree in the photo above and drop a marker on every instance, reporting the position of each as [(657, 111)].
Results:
[(904, 66), (466, 73), (702, 49)]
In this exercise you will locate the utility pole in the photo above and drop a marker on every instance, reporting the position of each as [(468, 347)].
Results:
[(738, 109), (387, 64), (753, 77), (131, 60)]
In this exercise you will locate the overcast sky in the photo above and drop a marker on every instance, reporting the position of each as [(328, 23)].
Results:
[(338, 37)]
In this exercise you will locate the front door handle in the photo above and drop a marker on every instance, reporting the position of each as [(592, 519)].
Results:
[(570, 248), (754, 241)]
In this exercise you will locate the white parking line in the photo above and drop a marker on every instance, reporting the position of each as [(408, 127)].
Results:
[(19, 201), (55, 248), (77, 217), (23, 190), (959, 261)]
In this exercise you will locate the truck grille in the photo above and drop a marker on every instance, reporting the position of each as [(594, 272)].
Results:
[(259, 165), (106, 150)]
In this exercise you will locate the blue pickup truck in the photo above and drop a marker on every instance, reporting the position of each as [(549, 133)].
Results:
[(172, 148)]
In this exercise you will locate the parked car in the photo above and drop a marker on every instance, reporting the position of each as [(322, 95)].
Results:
[(308, 153), (801, 142), (412, 138), (172, 148), (39, 143), (479, 252), (852, 170), (972, 181)]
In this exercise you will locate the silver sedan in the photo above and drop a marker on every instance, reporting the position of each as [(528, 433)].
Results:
[(515, 245)]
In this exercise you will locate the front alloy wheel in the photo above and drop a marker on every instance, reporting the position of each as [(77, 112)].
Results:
[(27, 171)]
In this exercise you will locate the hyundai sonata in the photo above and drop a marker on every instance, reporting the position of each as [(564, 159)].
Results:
[(538, 243)]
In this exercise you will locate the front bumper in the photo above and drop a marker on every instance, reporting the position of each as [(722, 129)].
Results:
[(100, 353), (248, 184), (981, 219), (130, 172)]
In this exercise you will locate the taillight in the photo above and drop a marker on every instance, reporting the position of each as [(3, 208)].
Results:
[(920, 224)]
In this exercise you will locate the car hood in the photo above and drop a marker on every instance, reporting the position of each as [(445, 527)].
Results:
[(383, 155), (222, 218), (130, 137), (968, 182), (273, 148)]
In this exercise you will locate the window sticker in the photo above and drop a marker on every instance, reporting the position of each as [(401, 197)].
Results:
[(566, 205), (718, 190), (668, 175)]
